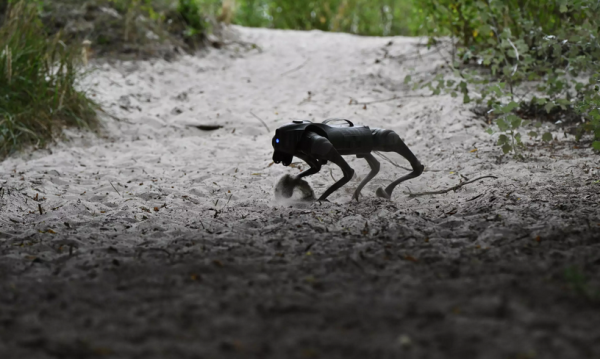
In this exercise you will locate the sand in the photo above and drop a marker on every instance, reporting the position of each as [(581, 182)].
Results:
[(159, 239)]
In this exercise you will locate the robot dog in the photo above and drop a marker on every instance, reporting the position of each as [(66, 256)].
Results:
[(317, 143)]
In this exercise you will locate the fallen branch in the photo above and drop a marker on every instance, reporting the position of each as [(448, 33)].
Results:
[(295, 68), (331, 173), (397, 165), (410, 194), (261, 121), (113, 186), (390, 161)]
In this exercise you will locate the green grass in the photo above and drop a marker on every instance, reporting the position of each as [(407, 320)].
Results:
[(363, 17), (38, 77)]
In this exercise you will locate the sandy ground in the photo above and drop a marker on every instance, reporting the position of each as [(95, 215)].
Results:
[(161, 240)]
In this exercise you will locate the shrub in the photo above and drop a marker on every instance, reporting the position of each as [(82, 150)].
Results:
[(550, 43), (38, 77)]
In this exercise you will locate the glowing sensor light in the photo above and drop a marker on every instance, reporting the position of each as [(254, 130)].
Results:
[(276, 140)]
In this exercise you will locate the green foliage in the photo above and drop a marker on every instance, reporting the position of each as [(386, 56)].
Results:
[(38, 77), (190, 12), (364, 17), (553, 43), (510, 126)]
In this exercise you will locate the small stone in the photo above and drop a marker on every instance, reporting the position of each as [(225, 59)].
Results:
[(404, 340)]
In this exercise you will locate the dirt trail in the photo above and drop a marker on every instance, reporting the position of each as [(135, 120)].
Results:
[(159, 239)]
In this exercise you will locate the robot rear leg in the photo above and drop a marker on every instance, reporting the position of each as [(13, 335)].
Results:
[(389, 141)]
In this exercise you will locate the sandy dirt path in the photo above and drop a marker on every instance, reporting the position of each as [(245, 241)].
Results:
[(159, 240)]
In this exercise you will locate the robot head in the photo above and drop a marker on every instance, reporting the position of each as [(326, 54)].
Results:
[(283, 158), (286, 141)]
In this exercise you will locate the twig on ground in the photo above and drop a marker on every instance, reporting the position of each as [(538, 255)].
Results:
[(390, 161), (112, 116), (261, 121), (295, 68), (449, 189), (418, 56), (354, 102), (113, 186), (397, 165), (474, 198), (331, 173)]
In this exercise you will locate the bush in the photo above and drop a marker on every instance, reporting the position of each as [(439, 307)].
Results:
[(38, 77), (550, 43)]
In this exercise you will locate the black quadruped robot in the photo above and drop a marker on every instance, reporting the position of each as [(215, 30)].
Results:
[(317, 143)]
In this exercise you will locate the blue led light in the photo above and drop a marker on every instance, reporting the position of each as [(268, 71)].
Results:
[(276, 140)]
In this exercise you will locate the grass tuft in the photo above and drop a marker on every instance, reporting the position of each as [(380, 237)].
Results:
[(38, 77)]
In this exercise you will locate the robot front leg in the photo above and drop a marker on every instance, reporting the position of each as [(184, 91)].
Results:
[(287, 184), (319, 147), (314, 164), (389, 141)]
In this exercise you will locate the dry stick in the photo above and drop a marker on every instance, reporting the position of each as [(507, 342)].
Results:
[(113, 186), (474, 198), (295, 68), (261, 121), (390, 161), (386, 100), (331, 173), (397, 165), (410, 194), (110, 115), (419, 56)]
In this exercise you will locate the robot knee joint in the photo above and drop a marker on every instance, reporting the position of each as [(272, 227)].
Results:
[(349, 174), (376, 167), (418, 170)]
